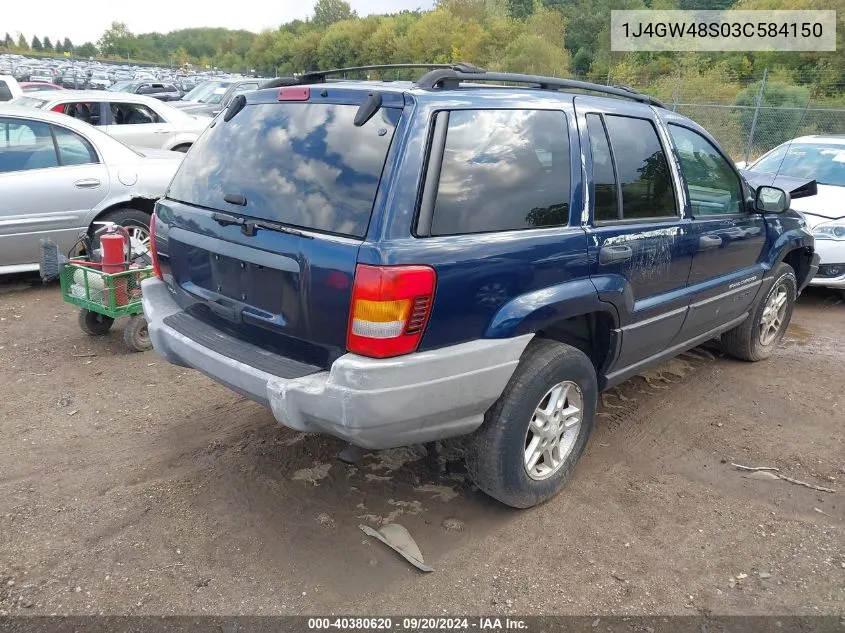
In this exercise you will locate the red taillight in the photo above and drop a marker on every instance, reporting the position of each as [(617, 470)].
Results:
[(294, 93), (390, 309), (153, 251)]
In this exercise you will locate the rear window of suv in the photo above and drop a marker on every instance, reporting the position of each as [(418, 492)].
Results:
[(302, 164)]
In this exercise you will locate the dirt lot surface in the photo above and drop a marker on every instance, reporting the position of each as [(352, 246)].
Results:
[(130, 486)]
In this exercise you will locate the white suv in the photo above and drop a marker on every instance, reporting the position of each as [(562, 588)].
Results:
[(9, 88)]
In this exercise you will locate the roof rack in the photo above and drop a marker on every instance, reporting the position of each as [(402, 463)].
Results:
[(319, 76), (452, 77)]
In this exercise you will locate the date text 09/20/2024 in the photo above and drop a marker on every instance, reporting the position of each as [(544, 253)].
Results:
[(417, 624)]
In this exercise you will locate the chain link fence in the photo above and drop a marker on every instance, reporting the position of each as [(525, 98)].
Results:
[(749, 115), (748, 132)]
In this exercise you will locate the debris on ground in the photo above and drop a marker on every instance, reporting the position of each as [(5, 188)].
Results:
[(452, 524), (312, 475), (769, 472), (397, 538)]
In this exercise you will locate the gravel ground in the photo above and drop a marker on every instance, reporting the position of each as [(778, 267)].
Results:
[(130, 486)]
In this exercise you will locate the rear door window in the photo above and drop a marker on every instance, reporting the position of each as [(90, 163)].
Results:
[(642, 169), (302, 164), (606, 206), (89, 112), (503, 170), (133, 114), (5, 92), (73, 149)]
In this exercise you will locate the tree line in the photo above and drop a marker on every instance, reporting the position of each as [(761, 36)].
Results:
[(553, 37), (45, 45)]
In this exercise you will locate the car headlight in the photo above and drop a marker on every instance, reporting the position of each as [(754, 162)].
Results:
[(830, 231)]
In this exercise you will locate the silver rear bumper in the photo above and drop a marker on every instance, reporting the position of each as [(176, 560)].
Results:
[(373, 403)]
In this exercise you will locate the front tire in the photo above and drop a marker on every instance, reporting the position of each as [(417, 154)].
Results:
[(534, 434), (758, 336)]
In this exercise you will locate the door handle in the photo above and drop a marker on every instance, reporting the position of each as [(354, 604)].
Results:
[(161, 132), (615, 254), (707, 242), (87, 183)]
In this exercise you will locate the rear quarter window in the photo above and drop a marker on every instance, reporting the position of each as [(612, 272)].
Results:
[(503, 170), (303, 164)]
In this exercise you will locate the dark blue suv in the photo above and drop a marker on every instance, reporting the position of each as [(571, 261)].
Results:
[(395, 263)]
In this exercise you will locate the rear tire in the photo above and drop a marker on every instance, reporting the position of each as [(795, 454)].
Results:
[(758, 336), (136, 336), (135, 221), (525, 419), (94, 323)]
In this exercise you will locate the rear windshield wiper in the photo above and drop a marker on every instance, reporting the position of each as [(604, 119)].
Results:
[(250, 226)]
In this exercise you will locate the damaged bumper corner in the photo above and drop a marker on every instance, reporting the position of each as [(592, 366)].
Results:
[(372, 403)]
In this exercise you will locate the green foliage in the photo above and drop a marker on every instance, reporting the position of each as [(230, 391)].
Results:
[(327, 12), (8, 42), (36, 44), (581, 61), (773, 126), (520, 9), (118, 41), (87, 50), (560, 37), (47, 44)]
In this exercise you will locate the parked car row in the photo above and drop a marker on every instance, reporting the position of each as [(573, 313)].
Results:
[(78, 74)]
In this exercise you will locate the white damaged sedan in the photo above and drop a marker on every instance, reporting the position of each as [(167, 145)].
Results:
[(819, 158)]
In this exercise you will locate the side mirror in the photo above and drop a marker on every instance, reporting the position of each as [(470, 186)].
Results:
[(771, 200), (741, 164)]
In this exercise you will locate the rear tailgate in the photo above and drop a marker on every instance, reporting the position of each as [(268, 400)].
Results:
[(259, 233)]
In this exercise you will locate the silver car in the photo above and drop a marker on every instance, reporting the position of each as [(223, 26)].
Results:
[(59, 175), (211, 97), (136, 120)]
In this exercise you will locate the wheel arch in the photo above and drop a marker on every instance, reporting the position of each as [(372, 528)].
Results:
[(592, 333), (570, 313), (146, 205), (800, 259)]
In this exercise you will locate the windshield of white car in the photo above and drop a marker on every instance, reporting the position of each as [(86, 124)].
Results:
[(823, 162), (209, 92)]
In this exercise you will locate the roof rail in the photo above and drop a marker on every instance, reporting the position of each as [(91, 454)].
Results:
[(319, 76), (452, 77)]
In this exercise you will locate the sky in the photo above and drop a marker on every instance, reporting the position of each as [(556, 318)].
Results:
[(86, 22)]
